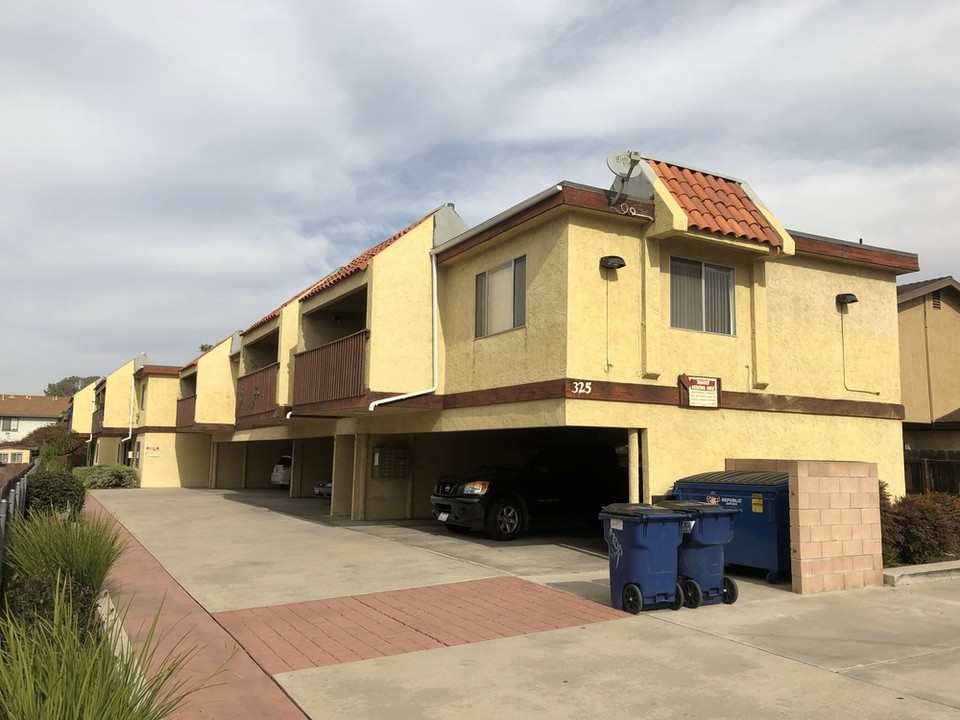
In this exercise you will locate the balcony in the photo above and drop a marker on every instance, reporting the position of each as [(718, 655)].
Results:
[(186, 411), (331, 372), (98, 420), (257, 392)]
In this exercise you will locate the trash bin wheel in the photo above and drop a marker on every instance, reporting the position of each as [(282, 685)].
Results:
[(504, 519), (692, 593), (773, 578), (677, 598), (730, 591), (632, 598)]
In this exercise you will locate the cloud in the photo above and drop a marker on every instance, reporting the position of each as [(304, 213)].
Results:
[(171, 172)]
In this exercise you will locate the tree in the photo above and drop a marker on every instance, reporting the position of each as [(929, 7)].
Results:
[(69, 385), (204, 347)]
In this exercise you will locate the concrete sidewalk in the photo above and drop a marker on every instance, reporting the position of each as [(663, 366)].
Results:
[(462, 627)]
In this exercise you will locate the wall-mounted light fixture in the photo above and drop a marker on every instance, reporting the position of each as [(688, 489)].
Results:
[(612, 262), (844, 299)]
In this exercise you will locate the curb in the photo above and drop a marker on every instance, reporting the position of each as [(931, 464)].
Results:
[(911, 574)]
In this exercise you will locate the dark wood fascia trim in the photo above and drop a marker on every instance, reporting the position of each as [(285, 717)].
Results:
[(262, 419), (811, 405), (570, 389), (544, 390), (902, 262), (570, 196), (932, 427), (330, 408), (154, 429), (506, 224), (113, 432), (206, 428)]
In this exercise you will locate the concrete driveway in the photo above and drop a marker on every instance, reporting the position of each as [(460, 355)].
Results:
[(270, 569)]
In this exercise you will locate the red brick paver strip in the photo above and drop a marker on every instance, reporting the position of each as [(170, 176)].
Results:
[(359, 627), (144, 591)]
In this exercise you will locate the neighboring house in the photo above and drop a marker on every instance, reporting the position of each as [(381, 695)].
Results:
[(20, 415), (16, 454), (929, 318)]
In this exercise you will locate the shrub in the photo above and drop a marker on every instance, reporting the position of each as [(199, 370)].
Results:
[(920, 529), (107, 476), (42, 547), (52, 670), (54, 489)]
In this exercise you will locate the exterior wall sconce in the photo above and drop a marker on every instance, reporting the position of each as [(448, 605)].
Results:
[(844, 299), (615, 262)]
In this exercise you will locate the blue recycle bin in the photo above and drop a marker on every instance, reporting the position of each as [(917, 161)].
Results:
[(762, 540), (643, 542), (700, 566)]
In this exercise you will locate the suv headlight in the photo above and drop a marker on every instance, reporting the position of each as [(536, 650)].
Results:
[(475, 488)]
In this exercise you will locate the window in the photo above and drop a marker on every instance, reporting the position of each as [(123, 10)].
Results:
[(16, 457), (3, 457), (9, 424), (701, 296), (502, 298)]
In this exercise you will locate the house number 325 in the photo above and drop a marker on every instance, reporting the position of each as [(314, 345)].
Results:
[(581, 388)]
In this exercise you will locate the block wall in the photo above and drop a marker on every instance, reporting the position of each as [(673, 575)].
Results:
[(834, 522)]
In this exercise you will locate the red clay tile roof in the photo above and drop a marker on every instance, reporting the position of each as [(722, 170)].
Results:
[(715, 204), (33, 406), (356, 265)]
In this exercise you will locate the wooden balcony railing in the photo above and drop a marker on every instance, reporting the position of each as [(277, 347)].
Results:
[(335, 371), (257, 392), (186, 411), (98, 420)]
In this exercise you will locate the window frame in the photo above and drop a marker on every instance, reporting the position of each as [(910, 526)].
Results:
[(518, 301), (705, 310), (9, 424)]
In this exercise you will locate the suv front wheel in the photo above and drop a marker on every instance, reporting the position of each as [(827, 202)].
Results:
[(504, 519)]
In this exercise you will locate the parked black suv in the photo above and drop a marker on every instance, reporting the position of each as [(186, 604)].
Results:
[(502, 494)]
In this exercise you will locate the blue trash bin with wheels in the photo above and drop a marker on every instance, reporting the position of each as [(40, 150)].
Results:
[(643, 542), (708, 528)]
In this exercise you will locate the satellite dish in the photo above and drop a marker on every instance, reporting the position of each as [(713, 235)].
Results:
[(623, 163)]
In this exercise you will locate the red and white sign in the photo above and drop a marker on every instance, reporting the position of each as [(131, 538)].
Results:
[(704, 391)]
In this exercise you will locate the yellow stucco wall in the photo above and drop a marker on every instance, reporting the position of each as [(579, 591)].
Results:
[(929, 338), (522, 355), (216, 386), (160, 408), (105, 450), (400, 313), (118, 392), (81, 421), (807, 351), (169, 459), (229, 465), (685, 441)]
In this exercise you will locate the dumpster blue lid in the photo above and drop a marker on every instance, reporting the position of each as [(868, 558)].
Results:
[(635, 510), (738, 477), (698, 506)]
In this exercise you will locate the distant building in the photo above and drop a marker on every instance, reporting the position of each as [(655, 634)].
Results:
[(929, 319), (20, 415)]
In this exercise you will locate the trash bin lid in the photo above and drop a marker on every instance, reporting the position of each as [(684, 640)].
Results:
[(698, 506), (635, 510), (738, 477)]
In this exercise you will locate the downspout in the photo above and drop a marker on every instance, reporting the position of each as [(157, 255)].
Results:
[(133, 392), (436, 348)]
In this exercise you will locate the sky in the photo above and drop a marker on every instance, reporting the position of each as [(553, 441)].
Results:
[(170, 172)]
